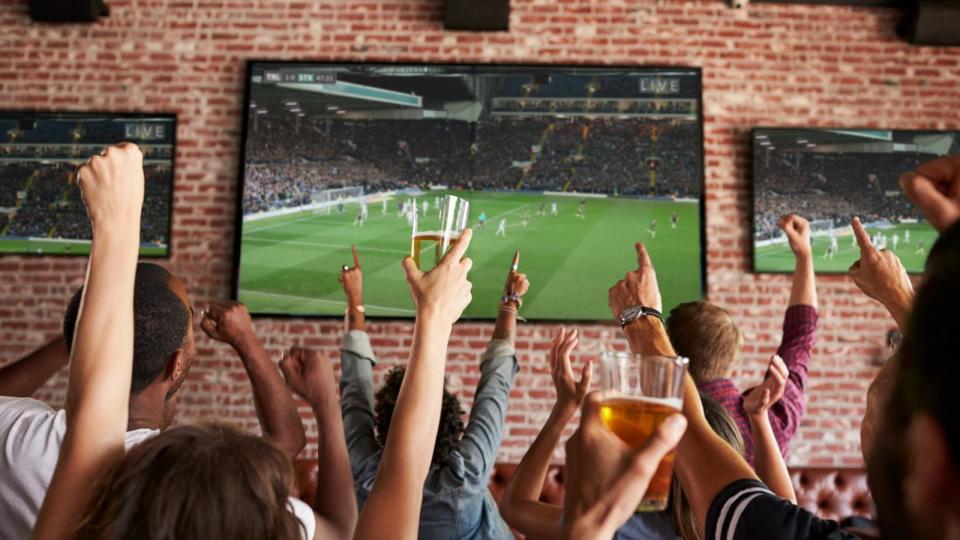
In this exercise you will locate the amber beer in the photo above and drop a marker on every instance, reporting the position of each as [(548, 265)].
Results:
[(634, 419), (422, 241)]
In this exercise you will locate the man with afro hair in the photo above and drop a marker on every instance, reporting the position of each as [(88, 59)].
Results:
[(456, 501)]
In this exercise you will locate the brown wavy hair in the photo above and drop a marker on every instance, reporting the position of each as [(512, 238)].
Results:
[(449, 432), (195, 483)]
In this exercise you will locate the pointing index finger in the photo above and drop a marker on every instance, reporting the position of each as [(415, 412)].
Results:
[(516, 261), (643, 258), (356, 259), (863, 239)]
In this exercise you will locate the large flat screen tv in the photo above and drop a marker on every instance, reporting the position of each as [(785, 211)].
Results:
[(526, 145), (831, 175), (41, 212)]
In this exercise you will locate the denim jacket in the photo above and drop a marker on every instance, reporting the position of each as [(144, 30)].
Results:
[(456, 501)]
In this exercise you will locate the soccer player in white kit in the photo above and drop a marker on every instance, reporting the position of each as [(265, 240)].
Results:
[(502, 228), (384, 205), (426, 207), (896, 240), (906, 236), (553, 209), (832, 250)]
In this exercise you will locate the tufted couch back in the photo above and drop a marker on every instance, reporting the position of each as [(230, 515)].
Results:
[(830, 493)]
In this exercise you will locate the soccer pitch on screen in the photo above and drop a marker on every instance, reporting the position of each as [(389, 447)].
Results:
[(290, 264), (44, 246), (909, 241)]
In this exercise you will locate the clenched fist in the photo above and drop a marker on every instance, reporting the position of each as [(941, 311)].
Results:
[(111, 184), (228, 322), (797, 230), (309, 375)]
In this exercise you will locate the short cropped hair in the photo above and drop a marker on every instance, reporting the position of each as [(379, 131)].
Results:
[(160, 320), (451, 416), (706, 334)]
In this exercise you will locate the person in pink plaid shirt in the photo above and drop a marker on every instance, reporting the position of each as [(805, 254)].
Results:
[(707, 335)]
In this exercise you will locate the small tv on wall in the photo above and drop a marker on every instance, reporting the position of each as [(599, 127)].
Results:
[(41, 212), (831, 175), (333, 153)]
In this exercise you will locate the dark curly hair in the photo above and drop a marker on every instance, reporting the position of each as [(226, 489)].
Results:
[(451, 416)]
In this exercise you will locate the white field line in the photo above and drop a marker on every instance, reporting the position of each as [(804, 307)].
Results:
[(321, 244), (323, 300)]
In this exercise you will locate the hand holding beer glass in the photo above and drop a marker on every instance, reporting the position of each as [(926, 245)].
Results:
[(644, 391), (438, 230)]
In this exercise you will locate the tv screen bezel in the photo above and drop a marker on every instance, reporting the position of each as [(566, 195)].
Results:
[(754, 190), (241, 168), (122, 115)]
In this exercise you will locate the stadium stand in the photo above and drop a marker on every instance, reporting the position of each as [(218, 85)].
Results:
[(826, 186), (287, 163)]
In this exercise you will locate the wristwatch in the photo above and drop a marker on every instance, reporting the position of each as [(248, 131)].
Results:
[(633, 313), (512, 297)]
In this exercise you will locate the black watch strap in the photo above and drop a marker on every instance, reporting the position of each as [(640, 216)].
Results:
[(633, 313)]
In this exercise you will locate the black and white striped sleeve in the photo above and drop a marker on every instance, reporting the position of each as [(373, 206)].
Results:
[(747, 510)]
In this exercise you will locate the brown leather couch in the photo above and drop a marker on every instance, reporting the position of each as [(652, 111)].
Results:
[(831, 493)]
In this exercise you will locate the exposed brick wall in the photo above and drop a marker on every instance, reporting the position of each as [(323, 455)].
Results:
[(767, 65)]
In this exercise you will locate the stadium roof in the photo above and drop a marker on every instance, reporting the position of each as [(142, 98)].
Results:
[(856, 140), (356, 93)]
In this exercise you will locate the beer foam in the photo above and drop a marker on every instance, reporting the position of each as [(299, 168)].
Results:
[(673, 403)]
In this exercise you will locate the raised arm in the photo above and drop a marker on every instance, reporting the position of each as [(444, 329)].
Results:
[(229, 322), (311, 377), (98, 388), (768, 462), (393, 508), (23, 377), (498, 368), (799, 333), (516, 286), (705, 463), (352, 281), (881, 276), (520, 503), (356, 369), (803, 292)]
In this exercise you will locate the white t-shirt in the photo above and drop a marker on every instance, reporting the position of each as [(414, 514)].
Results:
[(30, 437)]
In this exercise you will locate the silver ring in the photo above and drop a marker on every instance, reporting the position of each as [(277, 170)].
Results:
[(345, 268)]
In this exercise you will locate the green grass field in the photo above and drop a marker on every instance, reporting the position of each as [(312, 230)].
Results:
[(779, 258), (290, 264), (65, 247)]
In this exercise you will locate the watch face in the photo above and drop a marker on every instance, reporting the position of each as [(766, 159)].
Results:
[(632, 313)]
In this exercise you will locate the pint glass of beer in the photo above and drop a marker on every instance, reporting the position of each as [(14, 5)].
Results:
[(648, 389), (435, 229)]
